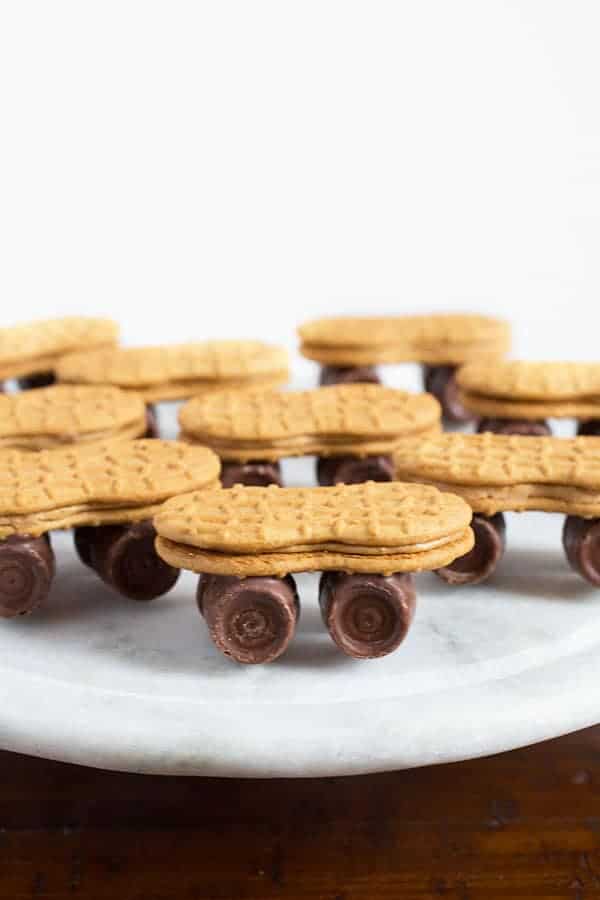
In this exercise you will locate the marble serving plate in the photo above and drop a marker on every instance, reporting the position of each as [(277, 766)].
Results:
[(96, 679)]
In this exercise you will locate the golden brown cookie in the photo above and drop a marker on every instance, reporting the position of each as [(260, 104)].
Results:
[(434, 339), (531, 390), (499, 473), (179, 371), (97, 484), (343, 419), (66, 414), (36, 347), (374, 528)]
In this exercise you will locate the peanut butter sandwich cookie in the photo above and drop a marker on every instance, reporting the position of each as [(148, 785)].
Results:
[(65, 414), (30, 352), (517, 397), (350, 348), (352, 428), (108, 492), (176, 372), (497, 473), (367, 539)]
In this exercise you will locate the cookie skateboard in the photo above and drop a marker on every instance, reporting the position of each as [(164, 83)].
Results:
[(517, 397), (50, 417), (108, 492), (366, 539), (498, 473), (30, 352), (349, 349), (351, 428)]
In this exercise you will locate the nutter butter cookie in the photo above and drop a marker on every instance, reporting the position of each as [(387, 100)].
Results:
[(108, 492), (34, 348), (351, 427), (350, 348), (516, 396), (497, 473), (178, 371), (247, 541), (64, 414)]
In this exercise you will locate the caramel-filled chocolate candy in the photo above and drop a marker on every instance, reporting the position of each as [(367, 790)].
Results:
[(349, 375), (589, 428), (581, 540), (152, 429), (254, 473), (125, 558), (514, 426), (41, 379), (480, 562), (354, 470), (441, 382), (251, 619), (26, 573), (367, 615)]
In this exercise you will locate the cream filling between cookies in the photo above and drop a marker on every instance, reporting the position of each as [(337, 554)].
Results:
[(516, 407), (508, 498), (53, 441)]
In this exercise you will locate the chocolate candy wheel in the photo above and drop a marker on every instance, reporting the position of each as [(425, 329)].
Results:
[(349, 375), (353, 470), (515, 426), (42, 379), (125, 558), (367, 615), (441, 382), (257, 473), (152, 429), (591, 428), (252, 619), (26, 573), (479, 563), (581, 540)]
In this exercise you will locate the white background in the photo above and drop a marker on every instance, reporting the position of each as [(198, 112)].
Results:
[(202, 169)]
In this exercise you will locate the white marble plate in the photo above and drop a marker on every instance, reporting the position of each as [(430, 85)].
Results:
[(96, 679)]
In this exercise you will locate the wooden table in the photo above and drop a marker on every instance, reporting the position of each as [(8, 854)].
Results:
[(521, 825)]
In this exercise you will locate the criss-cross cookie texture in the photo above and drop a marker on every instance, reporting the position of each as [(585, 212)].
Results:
[(496, 472), (524, 380), (443, 338), (97, 483), (370, 515), (179, 369), (36, 346), (339, 418), (64, 414)]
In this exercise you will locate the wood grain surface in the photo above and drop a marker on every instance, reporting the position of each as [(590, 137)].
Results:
[(524, 824)]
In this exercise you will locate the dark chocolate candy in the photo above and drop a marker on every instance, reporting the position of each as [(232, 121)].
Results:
[(125, 558), (479, 563), (26, 573), (591, 428), (251, 620), (354, 470), (348, 375), (367, 615), (441, 382), (581, 540), (515, 426), (42, 379), (255, 472), (152, 429)]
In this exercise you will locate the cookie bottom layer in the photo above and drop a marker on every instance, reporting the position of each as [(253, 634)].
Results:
[(493, 408), (183, 556), (369, 355), (491, 499)]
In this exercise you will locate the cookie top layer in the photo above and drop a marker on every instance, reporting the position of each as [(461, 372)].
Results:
[(228, 419), (98, 476), (35, 346), (64, 414), (502, 460), (515, 380), (370, 518), (434, 338), (145, 367)]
